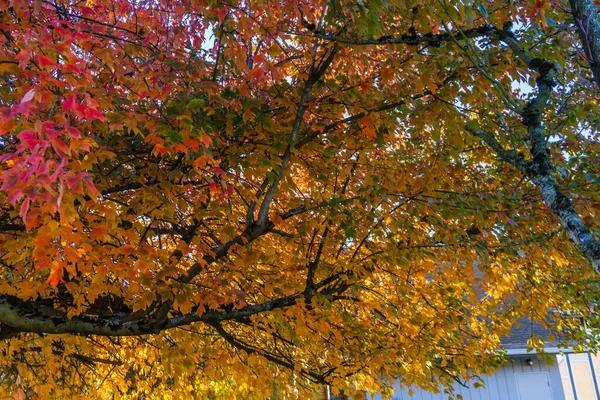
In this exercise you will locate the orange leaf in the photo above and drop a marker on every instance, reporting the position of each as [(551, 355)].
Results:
[(56, 274), (98, 232), (206, 140), (369, 132), (256, 73)]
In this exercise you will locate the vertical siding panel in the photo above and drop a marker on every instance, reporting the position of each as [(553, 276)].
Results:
[(544, 366), (404, 394), (458, 389), (486, 393), (465, 392), (488, 389), (492, 385), (517, 366), (538, 366), (500, 383), (473, 392), (511, 383), (397, 391), (508, 373), (432, 396), (400, 393), (556, 381)]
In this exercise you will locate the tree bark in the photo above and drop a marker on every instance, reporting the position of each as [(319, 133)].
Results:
[(588, 27), (539, 168), (324, 393)]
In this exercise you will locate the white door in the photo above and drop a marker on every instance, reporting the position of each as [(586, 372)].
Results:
[(534, 386)]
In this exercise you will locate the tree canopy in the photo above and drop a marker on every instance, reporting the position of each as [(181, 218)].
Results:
[(221, 198)]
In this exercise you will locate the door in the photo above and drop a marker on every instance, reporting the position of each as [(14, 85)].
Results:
[(534, 385)]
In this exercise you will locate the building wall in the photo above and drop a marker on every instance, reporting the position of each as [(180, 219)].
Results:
[(580, 374), (502, 385)]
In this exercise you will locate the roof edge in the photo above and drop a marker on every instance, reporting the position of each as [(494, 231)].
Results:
[(551, 350)]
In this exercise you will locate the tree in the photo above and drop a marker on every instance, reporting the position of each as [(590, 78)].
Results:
[(221, 198)]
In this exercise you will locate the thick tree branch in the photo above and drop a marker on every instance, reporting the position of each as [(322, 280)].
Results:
[(251, 233), (539, 168), (509, 156), (12, 228), (588, 28), (18, 315), (316, 73), (411, 40)]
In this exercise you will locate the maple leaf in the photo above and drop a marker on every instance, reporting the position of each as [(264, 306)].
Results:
[(45, 61), (56, 275)]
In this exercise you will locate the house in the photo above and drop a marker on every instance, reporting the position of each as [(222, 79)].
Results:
[(572, 376)]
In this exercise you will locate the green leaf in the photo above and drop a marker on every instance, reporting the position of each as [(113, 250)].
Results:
[(196, 104), (174, 136), (330, 152)]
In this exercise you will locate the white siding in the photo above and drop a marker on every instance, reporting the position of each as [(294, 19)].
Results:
[(502, 385)]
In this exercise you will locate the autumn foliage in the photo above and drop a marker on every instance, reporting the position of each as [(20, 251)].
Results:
[(221, 199)]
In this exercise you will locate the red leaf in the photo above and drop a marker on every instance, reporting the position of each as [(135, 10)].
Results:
[(369, 132), (80, 109), (92, 191), (91, 113), (30, 139), (74, 182), (45, 61), (219, 171), (69, 103), (24, 106), (74, 132), (23, 57), (533, 13), (60, 146), (9, 179), (24, 208)]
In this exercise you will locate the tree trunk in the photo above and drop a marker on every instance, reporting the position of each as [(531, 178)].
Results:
[(324, 393)]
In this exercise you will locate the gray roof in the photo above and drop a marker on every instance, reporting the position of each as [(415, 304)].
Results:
[(526, 330)]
